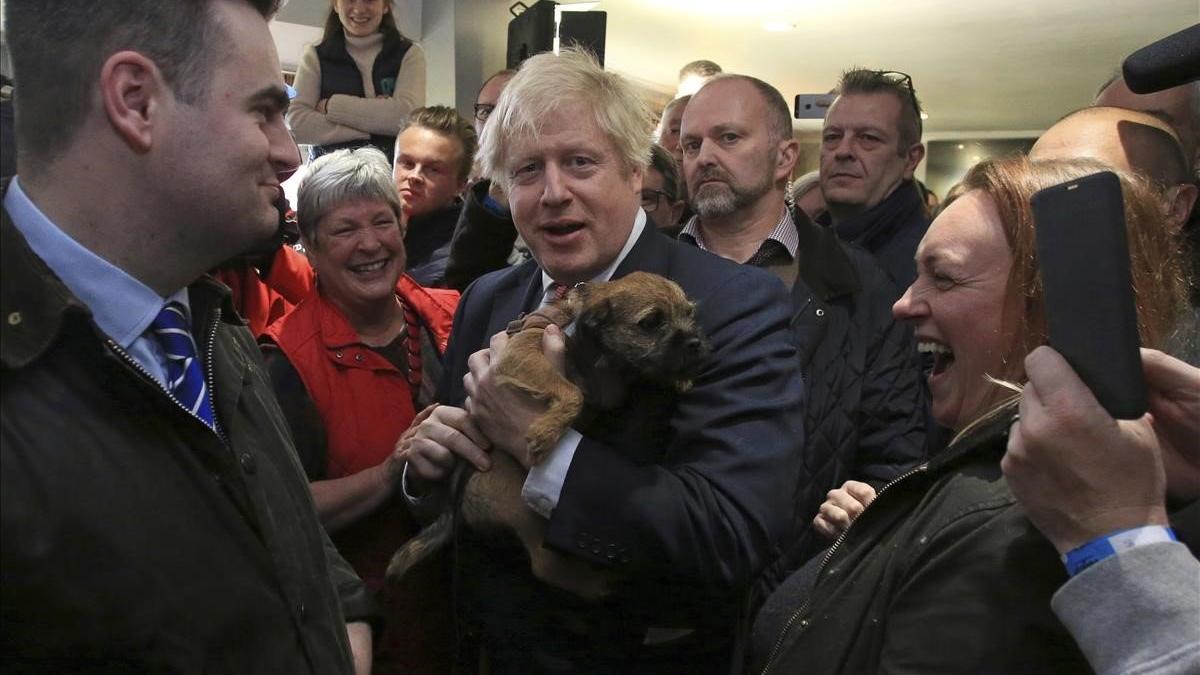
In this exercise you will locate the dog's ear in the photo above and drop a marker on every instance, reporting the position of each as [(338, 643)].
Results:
[(596, 315)]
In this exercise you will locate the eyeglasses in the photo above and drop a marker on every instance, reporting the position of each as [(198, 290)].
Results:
[(904, 80), (650, 199), (483, 111), (898, 77)]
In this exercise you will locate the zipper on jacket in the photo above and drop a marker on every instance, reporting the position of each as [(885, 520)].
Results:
[(208, 374), (825, 561), (129, 360)]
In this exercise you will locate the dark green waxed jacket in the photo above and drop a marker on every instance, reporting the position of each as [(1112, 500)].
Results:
[(132, 537), (942, 573)]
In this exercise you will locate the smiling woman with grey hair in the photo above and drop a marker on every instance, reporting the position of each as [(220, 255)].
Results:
[(351, 365)]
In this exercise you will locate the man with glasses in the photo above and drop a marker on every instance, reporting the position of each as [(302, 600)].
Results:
[(489, 93), (870, 147), (865, 415), (661, 198)]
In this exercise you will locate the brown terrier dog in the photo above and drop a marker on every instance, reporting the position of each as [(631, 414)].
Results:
[(633, 332)]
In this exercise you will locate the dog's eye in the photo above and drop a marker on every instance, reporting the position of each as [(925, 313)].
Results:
[(651, 321)]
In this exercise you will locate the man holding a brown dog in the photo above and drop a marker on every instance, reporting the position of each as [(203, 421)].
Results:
[(678, 496)]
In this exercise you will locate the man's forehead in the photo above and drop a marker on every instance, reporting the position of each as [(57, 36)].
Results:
[(565, 128), (490, 92), (879, 109), (720, 103), (420, 141)]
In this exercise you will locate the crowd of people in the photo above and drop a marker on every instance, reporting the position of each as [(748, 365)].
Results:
[(221, 416)]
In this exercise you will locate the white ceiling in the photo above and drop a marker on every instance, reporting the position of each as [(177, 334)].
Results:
[(978, 65)]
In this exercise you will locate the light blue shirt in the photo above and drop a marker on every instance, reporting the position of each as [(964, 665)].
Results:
[(543, 486), (121, 306)]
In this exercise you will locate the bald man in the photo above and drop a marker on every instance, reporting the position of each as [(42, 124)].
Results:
[(667, 133), (1177, 106), (1129, 140), (1140, 143)]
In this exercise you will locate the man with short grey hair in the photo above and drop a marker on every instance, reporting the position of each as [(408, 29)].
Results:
[(865, 416), (870, 148), (679, 496)]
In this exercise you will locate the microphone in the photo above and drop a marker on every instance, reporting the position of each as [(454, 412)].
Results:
[(1166, 63)]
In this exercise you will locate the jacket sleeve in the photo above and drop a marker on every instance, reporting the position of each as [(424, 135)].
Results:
[(290, 275), (1128, 615), (353, 595), (384, 115), (481, 242), (893, 411), (705, 513), (308, 125)]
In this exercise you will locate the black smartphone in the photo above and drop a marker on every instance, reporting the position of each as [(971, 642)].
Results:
[(1091, 318)]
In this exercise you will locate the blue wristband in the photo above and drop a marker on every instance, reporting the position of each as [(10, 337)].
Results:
[(1079, 559)]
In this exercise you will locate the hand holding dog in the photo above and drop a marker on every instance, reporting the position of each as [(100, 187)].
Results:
[(504, 414), (434, 445)]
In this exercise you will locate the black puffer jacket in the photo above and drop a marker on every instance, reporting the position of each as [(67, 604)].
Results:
[(482, 240), (427, 245), (867, 404)]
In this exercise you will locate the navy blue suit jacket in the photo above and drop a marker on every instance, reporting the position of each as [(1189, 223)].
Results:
[(685, 494)]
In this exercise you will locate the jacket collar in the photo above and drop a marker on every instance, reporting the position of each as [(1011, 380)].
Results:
[(35, 304), (881, 221), (822, 259), (435, 307), (978, 437), (432, 230)]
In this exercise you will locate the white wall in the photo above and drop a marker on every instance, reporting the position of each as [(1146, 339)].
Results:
[(481, 38), (466, 38), (438, 41), (290, 40)]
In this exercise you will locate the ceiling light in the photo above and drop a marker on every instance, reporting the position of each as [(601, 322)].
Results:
[(924, 115), (961, 146), (778, 26)]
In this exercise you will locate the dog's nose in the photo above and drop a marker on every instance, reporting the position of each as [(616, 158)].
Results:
[(693, 346)]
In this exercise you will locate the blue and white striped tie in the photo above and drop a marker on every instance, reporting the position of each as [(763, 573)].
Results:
[(185, 378)]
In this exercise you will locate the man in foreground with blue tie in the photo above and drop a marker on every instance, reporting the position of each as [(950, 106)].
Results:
[(154, 515)]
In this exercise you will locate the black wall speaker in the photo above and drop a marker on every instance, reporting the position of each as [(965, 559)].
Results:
[(532, 31)]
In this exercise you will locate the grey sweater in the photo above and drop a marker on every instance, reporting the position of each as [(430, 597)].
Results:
[(1137, 612)]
